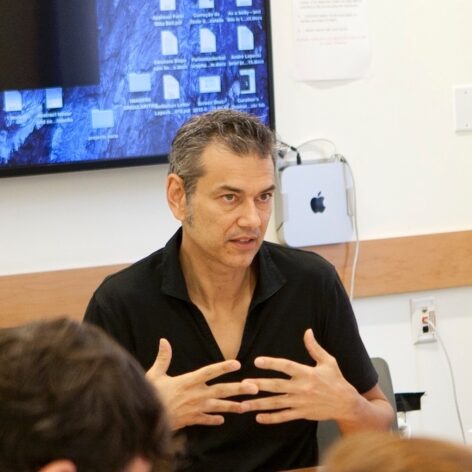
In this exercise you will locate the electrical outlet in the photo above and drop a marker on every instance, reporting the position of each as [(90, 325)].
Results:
[(423, 312)]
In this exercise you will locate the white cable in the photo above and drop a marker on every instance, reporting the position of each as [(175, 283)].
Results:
[(318, 140), (453, 381), (294, 150), (352, 203)]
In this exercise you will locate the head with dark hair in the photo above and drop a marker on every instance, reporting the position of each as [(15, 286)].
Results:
[(69, 393), (236, 131)]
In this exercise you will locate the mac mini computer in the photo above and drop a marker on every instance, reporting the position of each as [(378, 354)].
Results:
[(312, 204)]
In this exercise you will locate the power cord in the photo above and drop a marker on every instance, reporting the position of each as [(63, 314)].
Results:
[(453, 381), (297, 151), (352, 209), (282, 153), (319, 140)]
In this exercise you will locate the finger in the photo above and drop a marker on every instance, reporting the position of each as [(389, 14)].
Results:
[(271, 385), (214, 405), (231, 389), (212, 371), (315, 350), (276, 402), (278, 417), (208, 420), (286, 366), (163, 358)]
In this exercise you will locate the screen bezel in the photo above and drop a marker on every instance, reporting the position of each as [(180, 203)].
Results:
[(143, 160)]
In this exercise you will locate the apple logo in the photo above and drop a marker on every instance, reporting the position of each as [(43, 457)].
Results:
[(317, 204)]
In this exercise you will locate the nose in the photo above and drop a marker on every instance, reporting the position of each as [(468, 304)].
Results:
[(249, 216)]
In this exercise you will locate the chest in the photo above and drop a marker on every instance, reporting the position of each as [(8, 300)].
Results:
[(227, 328), (272, 328), (228, 334), (247, 333)]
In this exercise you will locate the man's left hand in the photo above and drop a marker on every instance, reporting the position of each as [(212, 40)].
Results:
[(312, 393)]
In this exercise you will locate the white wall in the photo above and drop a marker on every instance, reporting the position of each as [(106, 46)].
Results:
[(385, 327), (395, 127), (82, 219), (413, 174)]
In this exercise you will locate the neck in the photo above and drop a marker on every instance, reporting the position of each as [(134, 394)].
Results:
[(210, 285)]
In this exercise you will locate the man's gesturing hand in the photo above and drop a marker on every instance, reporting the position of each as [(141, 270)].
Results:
[(187, 397), (312, 393)]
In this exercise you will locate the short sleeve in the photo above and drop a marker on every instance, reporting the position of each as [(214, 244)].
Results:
[(341, 338), (112, 322)]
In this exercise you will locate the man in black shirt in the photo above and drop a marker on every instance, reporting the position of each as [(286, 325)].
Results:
[(233, 319)]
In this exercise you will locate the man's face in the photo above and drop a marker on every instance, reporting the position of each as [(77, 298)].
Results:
[(226, 217)]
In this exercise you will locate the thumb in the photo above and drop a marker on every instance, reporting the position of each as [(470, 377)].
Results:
[(316, 352), (164, 356)]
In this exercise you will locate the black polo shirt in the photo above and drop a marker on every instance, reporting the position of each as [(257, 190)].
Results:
[(295, 290)]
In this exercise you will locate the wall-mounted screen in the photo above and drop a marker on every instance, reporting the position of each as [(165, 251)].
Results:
[(105, 83)]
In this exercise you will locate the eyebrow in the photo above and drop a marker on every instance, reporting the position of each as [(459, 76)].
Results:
[(228, 188)]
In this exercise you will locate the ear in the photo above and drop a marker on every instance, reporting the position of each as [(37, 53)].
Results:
[(61, 465), (176, 196)]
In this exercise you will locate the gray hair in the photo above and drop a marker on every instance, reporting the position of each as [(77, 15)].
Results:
[(239, 132)]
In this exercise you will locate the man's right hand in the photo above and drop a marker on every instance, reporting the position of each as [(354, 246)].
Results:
[(188, 398)]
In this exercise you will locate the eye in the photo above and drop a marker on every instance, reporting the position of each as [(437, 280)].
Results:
[(265, 197), (229, 197)]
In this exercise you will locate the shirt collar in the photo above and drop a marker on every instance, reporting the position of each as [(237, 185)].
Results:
[(269, 277)]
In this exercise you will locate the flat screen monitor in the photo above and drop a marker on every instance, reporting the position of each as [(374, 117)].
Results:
[(105, 83)]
